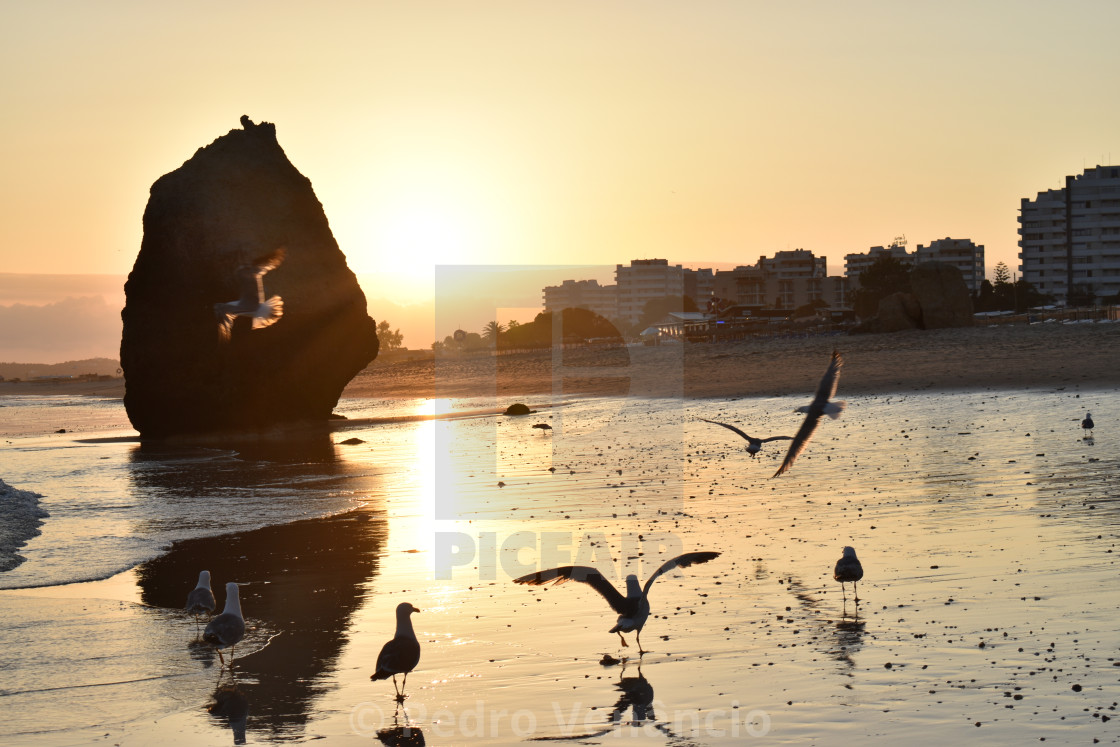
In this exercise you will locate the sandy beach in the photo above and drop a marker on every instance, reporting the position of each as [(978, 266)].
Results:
[(1004, 356), (958, 451)]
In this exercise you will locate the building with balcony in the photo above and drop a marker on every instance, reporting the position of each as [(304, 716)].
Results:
[(645, 280), (1069, 238), (786, 281)]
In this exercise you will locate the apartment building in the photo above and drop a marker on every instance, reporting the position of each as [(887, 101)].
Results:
[(1069, 238), (787, 280)]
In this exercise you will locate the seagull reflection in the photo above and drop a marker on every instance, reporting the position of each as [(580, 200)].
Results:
[(401, 735), (849, 639), (230, 703), (637, 695)]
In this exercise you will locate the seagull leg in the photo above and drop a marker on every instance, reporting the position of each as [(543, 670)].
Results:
[(855, 587), (638, 638), (221, 658), (624, 643)]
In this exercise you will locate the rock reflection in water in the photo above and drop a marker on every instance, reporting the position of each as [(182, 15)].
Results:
[(301, 584)]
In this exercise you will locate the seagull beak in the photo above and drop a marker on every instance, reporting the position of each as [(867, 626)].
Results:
[(415, 610)]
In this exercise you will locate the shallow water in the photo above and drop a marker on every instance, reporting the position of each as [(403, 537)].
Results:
[(986, 524)]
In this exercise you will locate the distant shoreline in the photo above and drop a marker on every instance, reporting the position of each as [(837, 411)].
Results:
[(1020, 356)]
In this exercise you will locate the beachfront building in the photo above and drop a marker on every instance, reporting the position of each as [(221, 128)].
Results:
[(645, 280), (854, 263), (1069, 238), (787, 280), (964, 254), (582, 294)]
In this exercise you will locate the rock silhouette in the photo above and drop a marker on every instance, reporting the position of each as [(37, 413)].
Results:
[(234, 201), (940, 299)]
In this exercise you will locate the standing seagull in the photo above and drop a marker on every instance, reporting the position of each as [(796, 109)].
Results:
[(1087, 423), (201, 599), (753, 444), (632, 609), (252, 302), (848, 568), (228, 628), (400, 655), (820, 405)]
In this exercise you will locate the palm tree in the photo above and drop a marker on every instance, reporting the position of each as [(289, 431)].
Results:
[(491, 331)]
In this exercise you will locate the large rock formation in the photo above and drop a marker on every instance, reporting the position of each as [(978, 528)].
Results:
[(939, 298), (942, 294), (235, 200)]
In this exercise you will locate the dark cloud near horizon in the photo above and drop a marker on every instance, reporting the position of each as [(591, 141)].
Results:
[(72, 329)]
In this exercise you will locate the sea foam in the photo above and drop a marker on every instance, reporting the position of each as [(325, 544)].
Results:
[(20, 518)]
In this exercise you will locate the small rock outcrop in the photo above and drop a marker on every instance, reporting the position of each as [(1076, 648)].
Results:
[(199, 353), (942, 294)]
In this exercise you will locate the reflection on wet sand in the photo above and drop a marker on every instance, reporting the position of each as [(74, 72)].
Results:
[(401, 735), (840, 640), (301, 584), (230, 704)]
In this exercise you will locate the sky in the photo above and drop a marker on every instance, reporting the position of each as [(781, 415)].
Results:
[(524, 133)]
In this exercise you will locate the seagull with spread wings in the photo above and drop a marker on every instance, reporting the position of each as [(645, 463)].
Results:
[(252, 302), (753, 444), (632, 609), (821, 405)]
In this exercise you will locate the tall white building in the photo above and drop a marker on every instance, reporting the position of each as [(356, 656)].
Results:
[(643, 281), (1069, 239), (964, 254)]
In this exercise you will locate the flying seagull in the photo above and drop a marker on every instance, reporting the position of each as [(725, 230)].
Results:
[(400, 655), (252, 302), (632, 609), (848, 568), (820, 405), (1087, 423), (753, 444), (201, 599), (228, 628)]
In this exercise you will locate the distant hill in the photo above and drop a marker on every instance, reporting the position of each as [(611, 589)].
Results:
[(98, 366)]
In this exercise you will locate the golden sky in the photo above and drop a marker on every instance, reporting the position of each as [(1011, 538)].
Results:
[(560, 132)]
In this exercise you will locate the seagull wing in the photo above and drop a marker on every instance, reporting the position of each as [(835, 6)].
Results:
[(728, 427), (681, 561), (800, 440), (826, 390), (584, 574), (776, 438), (269, 261)]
